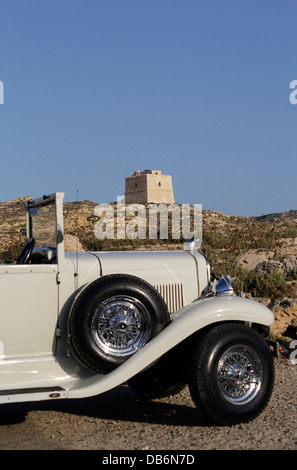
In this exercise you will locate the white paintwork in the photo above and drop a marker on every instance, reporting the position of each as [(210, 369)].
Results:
[(158, 268), (29, 310), (36, 301)]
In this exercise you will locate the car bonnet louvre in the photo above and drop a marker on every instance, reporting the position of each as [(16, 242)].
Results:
[(172, 294)]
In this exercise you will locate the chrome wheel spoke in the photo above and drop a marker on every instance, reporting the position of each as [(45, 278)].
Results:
[(239, 375), (121, 325)]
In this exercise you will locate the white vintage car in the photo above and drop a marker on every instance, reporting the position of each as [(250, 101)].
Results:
[(76, 325)]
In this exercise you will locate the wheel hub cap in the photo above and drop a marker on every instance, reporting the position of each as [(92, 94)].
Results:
[(239, 375), (121, 325)]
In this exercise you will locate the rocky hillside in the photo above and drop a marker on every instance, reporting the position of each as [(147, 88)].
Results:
[(260, 252)]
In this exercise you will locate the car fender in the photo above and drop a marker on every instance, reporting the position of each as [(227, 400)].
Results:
[(187, 321)]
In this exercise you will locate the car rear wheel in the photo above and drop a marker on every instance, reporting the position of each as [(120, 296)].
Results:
[(231, 374), (113, 318)]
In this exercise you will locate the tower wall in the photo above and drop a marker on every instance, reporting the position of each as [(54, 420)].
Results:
[(149, 186)]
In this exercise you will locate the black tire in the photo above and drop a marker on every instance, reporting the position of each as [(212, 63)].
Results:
[(113, 318), (231, 374), (159, 381)]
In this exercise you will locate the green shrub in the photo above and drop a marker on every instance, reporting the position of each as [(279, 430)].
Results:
[(269, 285), (10, 255)]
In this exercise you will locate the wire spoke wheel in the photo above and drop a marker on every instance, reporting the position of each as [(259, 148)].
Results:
[(239, 375), (113, 318), (121, 325), (231, 373)]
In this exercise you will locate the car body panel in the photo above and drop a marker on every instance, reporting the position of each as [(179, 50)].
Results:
[(173, 274), (29, 310)]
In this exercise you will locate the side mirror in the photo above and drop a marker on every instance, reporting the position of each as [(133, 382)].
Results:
[(23, 237)]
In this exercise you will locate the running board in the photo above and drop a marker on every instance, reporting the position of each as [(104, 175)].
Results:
[(32, 394)]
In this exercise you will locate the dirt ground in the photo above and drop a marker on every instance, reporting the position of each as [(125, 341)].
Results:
[(119, 420)]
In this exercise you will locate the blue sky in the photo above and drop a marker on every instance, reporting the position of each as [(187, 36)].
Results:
[(94, 90)]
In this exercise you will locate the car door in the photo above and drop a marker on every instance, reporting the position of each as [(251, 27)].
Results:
[(28, 310)]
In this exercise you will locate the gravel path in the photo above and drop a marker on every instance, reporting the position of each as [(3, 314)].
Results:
[(118, 420)]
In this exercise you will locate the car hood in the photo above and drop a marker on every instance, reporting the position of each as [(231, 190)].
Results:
[(176, 272), (179, 276)]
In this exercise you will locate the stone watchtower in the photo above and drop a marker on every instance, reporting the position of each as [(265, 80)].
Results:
[(148, 186)]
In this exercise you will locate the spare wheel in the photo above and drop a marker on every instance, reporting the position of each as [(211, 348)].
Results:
[(113, 318)]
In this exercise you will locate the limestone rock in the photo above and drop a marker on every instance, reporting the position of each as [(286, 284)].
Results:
[(72, 244), (252, 259), (285, 312), (286, 266)]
